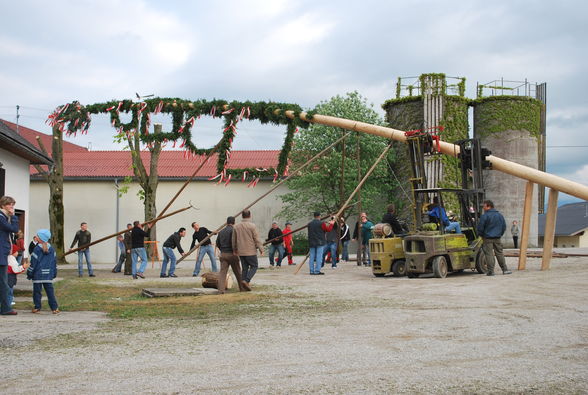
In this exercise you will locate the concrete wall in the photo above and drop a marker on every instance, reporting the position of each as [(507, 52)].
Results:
[(506, 191), (17, 181), (95, 202)]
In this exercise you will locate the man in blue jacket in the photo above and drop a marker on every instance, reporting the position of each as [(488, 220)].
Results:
[(491, 227), (8, 225)]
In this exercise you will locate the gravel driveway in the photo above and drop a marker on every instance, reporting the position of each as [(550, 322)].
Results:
[(468, 333)]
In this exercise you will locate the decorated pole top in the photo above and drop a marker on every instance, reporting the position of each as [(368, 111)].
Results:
[(75, 118)]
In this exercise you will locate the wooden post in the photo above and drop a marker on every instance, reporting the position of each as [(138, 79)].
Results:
[(549, 231), (526, 225)]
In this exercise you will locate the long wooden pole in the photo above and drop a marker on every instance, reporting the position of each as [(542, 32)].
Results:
[(539, 177), (301, 264), (308, 162), (123, 231)]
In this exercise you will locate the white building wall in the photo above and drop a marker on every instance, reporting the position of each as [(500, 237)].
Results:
[(17, 182), (95, 202)]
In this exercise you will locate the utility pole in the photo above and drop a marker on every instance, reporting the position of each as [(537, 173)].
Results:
[(17, 116)]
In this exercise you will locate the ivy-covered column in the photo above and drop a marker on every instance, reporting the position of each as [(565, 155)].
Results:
[(509, 126)]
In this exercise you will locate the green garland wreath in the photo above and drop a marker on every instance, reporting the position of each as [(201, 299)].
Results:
[(74, 117)]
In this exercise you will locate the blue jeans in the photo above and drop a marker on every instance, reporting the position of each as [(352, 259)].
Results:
[(37, 288), (168, 255), (365, 254), (315, 260), (10, 295), (345, 251), (4, 290), (272, 251), (452, 226), (81, 255), (331, 246), (249, 266), (137, 253), (205, 250)]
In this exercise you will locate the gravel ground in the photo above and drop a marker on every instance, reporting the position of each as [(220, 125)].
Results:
[(468, 333)]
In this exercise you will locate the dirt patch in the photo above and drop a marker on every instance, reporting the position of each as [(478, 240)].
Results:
[(346, 331)]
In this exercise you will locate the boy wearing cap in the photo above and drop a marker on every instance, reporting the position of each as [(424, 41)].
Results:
[(42, 271)]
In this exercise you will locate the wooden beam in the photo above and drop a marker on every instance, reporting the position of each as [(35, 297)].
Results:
[(549, 231), (526, 225)]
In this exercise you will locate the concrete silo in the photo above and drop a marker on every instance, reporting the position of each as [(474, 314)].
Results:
[(427, 103), (511, 127)]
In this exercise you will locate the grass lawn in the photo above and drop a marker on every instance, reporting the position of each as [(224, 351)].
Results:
[(83, 294)]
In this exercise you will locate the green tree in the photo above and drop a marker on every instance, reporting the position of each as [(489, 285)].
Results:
[(329, 181)]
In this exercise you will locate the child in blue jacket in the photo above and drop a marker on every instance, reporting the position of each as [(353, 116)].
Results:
[(42, 271)]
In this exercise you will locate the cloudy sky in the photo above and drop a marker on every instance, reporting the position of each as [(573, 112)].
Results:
[(294, 51)]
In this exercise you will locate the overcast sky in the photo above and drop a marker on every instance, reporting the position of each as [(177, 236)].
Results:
[(290, 51)]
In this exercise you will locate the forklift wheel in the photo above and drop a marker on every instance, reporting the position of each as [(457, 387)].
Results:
[(440, 266), (481, 265), (399, 268)]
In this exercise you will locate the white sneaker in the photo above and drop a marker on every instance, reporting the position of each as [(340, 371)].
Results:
[(333, 267), (13, 303)]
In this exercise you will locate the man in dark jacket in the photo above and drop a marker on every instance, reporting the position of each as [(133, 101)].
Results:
[(128, 240), (274, 235), (491, 227), (224, 242), (138, 248), (83, 237), (317, 242), (390, 218), (168, 252), (205, 248)]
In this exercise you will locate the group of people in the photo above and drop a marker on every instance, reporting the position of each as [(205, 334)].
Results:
[(237, 243), (42, 268), (327, 238)]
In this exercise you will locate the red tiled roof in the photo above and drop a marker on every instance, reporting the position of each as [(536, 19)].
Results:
[(79, 162), (172, 164), (31, 136)]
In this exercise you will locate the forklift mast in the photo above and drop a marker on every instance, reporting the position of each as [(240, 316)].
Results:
[(471, 163)]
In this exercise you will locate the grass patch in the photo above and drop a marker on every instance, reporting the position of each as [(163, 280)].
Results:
[(128, 302)]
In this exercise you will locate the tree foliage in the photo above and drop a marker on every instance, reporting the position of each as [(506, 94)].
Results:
[(328, 182)]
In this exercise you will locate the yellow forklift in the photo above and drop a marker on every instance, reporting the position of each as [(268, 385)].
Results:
[(433, 247)]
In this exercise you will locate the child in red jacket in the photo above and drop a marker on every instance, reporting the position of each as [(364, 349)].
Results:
[(14, 268)]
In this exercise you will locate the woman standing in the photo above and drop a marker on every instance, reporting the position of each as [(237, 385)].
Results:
[(514, 230), (8, 225)]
